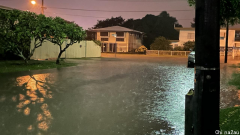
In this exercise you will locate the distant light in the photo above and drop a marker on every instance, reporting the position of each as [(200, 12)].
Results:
[(33, 2)]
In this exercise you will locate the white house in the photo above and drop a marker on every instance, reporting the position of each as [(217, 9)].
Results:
[(188, 34)]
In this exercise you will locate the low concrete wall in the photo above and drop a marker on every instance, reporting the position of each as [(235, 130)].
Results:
[(171, 53), (79, 50)]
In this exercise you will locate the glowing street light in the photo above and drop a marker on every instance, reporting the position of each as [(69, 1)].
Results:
[(33, 2)]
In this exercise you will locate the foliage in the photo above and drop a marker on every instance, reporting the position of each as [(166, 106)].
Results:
[(62, 32), (117, 21), (178, 48), (161, 43), (17, 66), (153, 26), (229, 11), (14, 37), (19, 28), (97, 42), (190, 45)]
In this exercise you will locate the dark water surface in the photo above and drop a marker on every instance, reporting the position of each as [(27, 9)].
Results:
[(100, 97)]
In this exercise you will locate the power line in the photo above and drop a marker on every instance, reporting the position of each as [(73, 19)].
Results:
[(94, 16), (148, 1), (117, 10)]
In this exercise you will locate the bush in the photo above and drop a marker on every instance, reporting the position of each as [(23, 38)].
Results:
[(178, 48), (161, 43), (190, 45)]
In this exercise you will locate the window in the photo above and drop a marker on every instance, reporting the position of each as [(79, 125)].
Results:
[(120, 39), (191, 36), (104, 39), (237, 35), (222, 35), (120, 34), (104, 34)]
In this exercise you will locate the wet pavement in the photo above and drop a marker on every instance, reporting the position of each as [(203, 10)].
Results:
[(104, 96)]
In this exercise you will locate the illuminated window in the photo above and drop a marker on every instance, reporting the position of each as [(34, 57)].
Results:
[(191, 36), (104, 34), (104, 39), (120, 39)]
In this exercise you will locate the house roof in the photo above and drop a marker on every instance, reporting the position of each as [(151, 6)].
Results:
[(115, 29), (180, 28), (7, 8)]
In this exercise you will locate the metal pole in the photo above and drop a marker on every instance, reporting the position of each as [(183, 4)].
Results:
[(42, 7), (226, 45), (85, 49), (207, 72), (116, 48)]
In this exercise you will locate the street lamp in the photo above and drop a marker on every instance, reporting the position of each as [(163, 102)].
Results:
[(33, 2), (115, 35)]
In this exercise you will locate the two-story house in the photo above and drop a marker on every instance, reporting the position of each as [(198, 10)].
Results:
[(121, 38), (188, 34)]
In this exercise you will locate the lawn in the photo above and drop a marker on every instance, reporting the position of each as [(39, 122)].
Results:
[(230, 119), (16, 66)]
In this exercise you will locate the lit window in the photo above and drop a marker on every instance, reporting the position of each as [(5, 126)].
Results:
[(120, 39), (104, 34), (104, 39), (191, 36)]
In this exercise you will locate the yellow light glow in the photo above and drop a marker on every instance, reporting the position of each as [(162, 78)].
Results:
[(33, 2)]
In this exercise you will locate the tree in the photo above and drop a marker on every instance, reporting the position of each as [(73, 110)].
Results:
[(14, 37), (20, 28), (62, 32), (153, 26), (190, 45), (117, 21), (161, 43)]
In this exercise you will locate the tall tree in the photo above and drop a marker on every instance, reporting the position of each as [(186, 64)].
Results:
[(114, 21), (155, 26)]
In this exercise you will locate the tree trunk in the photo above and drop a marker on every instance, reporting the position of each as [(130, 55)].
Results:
[(226, 47), (59, 56)]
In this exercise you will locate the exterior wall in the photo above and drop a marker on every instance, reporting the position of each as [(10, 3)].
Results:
[(50, 51), (130, 42), (183, 37)]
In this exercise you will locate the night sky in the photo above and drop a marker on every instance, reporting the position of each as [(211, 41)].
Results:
[(184, 17)]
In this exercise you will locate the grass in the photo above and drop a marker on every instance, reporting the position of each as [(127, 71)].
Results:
[(17, 66), (235, 77), (230, 119)]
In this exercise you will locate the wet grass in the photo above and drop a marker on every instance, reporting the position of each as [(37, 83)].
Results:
[(17, 66), (235, 77), (230, 119)]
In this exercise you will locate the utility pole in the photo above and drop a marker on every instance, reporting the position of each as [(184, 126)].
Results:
[(207, 73), (226, 46), (43, 7)]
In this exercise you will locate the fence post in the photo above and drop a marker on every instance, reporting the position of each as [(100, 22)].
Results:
[(185, 53), (189, 112), (233, 53), (158, 53)]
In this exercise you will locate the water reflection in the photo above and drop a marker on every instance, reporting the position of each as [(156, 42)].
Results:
[(29, 96)]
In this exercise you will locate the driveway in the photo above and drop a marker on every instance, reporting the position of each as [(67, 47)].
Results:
[(104, 96)]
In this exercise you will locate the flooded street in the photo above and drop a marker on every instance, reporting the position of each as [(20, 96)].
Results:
[(103, 97)]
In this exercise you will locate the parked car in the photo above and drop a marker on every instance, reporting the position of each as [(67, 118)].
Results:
[(191, 60)]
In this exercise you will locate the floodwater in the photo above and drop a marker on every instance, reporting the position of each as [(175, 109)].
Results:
[(100, 97)]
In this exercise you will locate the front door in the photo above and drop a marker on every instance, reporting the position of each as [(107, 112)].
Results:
[(104, 47), (113, 47)]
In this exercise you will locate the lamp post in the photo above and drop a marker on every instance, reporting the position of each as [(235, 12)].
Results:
[(34, 2), (115, 35)]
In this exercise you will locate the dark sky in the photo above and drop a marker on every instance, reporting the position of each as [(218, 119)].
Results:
[(184, 17)]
